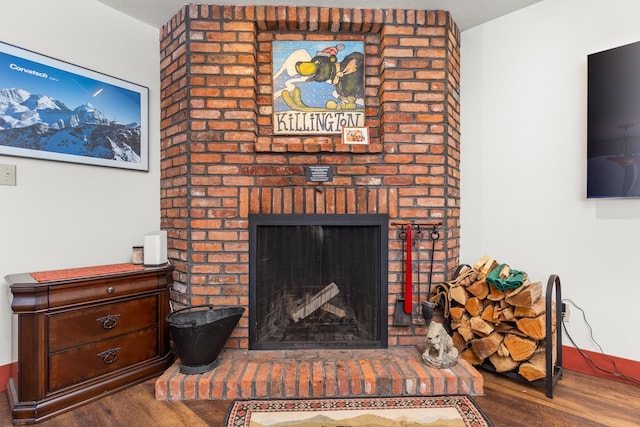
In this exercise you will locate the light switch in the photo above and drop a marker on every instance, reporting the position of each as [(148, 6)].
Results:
[(7, 174)]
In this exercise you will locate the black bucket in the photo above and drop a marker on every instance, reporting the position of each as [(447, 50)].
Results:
[(199, 335)]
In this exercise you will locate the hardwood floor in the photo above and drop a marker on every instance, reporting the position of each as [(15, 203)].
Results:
[(579, 400)]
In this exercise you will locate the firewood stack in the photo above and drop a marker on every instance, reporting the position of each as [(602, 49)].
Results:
[(505, 329)]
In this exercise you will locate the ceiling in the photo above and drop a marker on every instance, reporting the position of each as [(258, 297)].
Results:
[(466, 13)]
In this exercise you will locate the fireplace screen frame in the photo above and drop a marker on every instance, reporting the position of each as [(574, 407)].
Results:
[(379, 221)]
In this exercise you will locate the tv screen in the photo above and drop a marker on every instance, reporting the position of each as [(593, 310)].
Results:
[(613, 122)]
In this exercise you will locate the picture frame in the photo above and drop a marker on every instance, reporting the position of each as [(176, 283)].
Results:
[(318, 86), (355, 135), (54, 110)]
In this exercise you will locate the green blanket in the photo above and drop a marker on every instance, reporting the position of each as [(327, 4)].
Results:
[(514, 280)]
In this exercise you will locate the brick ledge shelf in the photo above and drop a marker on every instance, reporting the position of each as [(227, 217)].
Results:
[(319, 373), (300, 147)]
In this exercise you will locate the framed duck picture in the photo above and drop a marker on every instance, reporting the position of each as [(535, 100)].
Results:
[(318, 86)]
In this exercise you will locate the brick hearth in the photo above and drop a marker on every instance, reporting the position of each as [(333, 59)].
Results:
[(319, 373)]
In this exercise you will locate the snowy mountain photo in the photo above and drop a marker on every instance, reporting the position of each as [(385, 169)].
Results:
[(39, 122), (68, 113)]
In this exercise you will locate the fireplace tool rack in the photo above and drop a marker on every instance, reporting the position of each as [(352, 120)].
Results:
[(403, 312)]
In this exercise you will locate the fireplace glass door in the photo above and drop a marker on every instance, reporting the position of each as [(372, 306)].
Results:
[(318, 281)]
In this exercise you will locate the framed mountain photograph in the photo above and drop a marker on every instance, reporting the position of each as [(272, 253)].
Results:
[(53, 110)]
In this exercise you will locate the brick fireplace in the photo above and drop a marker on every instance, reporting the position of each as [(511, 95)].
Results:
[(222, 163)]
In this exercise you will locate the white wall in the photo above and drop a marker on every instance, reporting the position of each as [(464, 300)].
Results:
[(524, 92), (63, 215)]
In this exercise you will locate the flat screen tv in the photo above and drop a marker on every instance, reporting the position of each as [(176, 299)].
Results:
[(613, 123)]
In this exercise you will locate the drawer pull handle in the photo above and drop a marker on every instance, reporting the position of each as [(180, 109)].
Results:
[(109, 321), (109, 356), (111, 289)]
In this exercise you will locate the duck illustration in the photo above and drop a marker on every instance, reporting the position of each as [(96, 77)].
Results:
[(347, 76)]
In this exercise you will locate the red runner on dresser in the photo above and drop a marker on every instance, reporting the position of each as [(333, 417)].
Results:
[(72, 273)]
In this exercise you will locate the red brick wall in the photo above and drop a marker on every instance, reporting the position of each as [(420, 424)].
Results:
[(220, 160)]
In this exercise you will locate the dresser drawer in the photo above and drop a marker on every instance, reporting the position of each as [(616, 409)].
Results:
[(89, 361), (84, 291), (79, 327)]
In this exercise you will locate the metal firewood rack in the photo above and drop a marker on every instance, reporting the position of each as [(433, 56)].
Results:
[(553, 370)]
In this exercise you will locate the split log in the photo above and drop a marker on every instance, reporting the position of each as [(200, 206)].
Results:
[(536, 309), (485, 265), (479, 288), (481, 326), (502, 350), (485, 347), (318, 300), (462, 323), (481, 262), (496, 313), (505, 272), (487, 313), (456, 313), (458, 294), (466, 332), (531, 372), (513, 291), (336, 311), (474, 306), (508, 328), (536, 367), (533, 327), (520, 348), (470, 356), (527, 295), (495, 294), (503, 363), (506, 314), (465, 322)]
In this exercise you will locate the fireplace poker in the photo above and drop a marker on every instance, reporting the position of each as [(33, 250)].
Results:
[(428, 306), (435, 235), (418, 239)]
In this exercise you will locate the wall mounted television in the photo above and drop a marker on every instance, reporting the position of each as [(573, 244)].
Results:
[(613, 123)]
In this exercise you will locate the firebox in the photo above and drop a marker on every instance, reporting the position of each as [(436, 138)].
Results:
[(317, 281)]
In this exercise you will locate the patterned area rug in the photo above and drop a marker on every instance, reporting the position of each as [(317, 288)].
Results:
[(443, 411)]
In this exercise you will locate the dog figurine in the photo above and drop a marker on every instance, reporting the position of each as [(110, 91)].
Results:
[(440, 351)]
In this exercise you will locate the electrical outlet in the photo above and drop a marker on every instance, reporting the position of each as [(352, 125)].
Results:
[(565, 313), (7, 174)]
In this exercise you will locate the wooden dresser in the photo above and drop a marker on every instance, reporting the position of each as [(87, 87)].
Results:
[(95, 332)]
